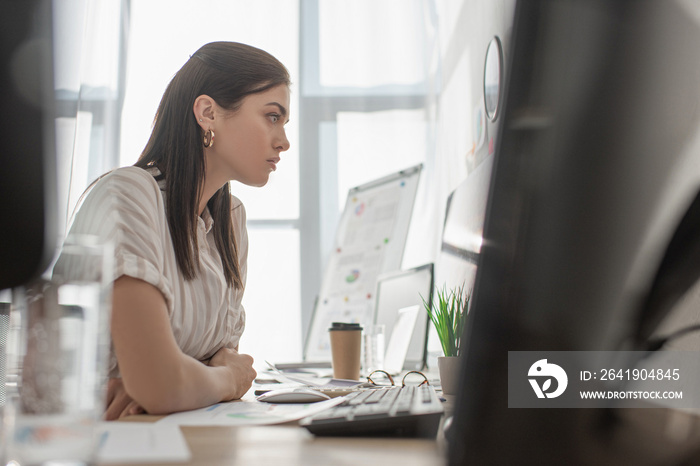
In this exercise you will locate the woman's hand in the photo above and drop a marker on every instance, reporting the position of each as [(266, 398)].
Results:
[(119, 403), (240, 367)]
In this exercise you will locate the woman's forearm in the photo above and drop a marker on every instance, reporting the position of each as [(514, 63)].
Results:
[(156, 373), (188, 384)]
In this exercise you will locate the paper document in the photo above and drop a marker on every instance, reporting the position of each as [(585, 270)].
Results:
[(137, 442), (317, 383), (247, 413)]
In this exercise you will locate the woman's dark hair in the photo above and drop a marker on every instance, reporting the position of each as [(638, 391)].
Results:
[(227, 72)]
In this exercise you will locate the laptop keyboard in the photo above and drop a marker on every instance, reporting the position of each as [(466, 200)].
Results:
[(394, 411)]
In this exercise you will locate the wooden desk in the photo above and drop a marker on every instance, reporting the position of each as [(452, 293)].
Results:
[(294, 446), (291, 445)]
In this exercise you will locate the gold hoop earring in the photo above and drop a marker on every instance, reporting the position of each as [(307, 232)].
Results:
[(209, 138)]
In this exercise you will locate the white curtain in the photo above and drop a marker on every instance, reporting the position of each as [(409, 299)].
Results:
[(375, 73), (89, 38)]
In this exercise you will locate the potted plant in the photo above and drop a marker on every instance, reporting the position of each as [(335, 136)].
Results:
[(448, 314)]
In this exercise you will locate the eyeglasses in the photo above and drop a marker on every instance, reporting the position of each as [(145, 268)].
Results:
[(382, 377)]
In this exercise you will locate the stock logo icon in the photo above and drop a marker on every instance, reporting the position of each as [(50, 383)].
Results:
[(540, 376)]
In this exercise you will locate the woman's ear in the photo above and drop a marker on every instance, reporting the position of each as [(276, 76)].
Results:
[(203, 110)]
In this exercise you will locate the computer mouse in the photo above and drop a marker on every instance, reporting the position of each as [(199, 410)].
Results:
[(293, 395)]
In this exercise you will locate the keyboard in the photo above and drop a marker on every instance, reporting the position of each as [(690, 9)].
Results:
[(409, 411)]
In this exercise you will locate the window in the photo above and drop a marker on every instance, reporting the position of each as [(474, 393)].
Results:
[(88, 62), (367, 72)]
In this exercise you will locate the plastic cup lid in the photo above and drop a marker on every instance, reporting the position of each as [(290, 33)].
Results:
[(344, 326)]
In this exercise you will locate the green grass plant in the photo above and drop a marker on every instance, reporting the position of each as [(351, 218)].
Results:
[(448, 315)]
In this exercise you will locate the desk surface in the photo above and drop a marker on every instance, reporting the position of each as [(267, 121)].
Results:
[(291, 445), (294, 446)]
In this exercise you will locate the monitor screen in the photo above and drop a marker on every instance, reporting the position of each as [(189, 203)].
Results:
[(600, 117), (27, 157), (462, 234)]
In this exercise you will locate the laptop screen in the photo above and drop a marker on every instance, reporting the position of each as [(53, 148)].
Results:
[(399, 290)]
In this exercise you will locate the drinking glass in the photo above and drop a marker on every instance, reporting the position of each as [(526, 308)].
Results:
[(58, 345), (373, 348)]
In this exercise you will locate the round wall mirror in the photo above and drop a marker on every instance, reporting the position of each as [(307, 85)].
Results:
[(493, 70)]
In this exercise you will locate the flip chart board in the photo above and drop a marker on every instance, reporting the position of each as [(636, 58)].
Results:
[(369, 241)]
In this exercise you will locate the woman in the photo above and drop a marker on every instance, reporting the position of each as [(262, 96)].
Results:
[(180, 238)]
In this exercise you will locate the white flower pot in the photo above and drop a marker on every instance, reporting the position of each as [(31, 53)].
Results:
[(448, 366)]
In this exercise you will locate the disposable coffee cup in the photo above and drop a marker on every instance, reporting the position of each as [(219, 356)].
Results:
[(346, 349)]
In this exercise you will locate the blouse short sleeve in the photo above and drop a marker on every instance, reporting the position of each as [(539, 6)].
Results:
[(128, 208), (125, 208)]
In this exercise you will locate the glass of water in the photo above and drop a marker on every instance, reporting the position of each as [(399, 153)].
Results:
[(58, 346), (373, 348)]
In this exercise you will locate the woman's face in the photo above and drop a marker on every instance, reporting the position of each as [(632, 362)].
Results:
[(248, 142)]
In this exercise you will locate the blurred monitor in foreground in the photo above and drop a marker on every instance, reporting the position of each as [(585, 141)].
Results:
[(27, 154), (601, 116)]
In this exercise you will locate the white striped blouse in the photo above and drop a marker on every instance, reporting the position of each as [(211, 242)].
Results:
[(127, 207)]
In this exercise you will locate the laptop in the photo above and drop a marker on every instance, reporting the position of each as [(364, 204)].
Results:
[(398, 291)]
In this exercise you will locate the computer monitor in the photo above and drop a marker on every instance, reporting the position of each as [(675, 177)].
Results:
[(27, 154), (463, 230), (601, 110)]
